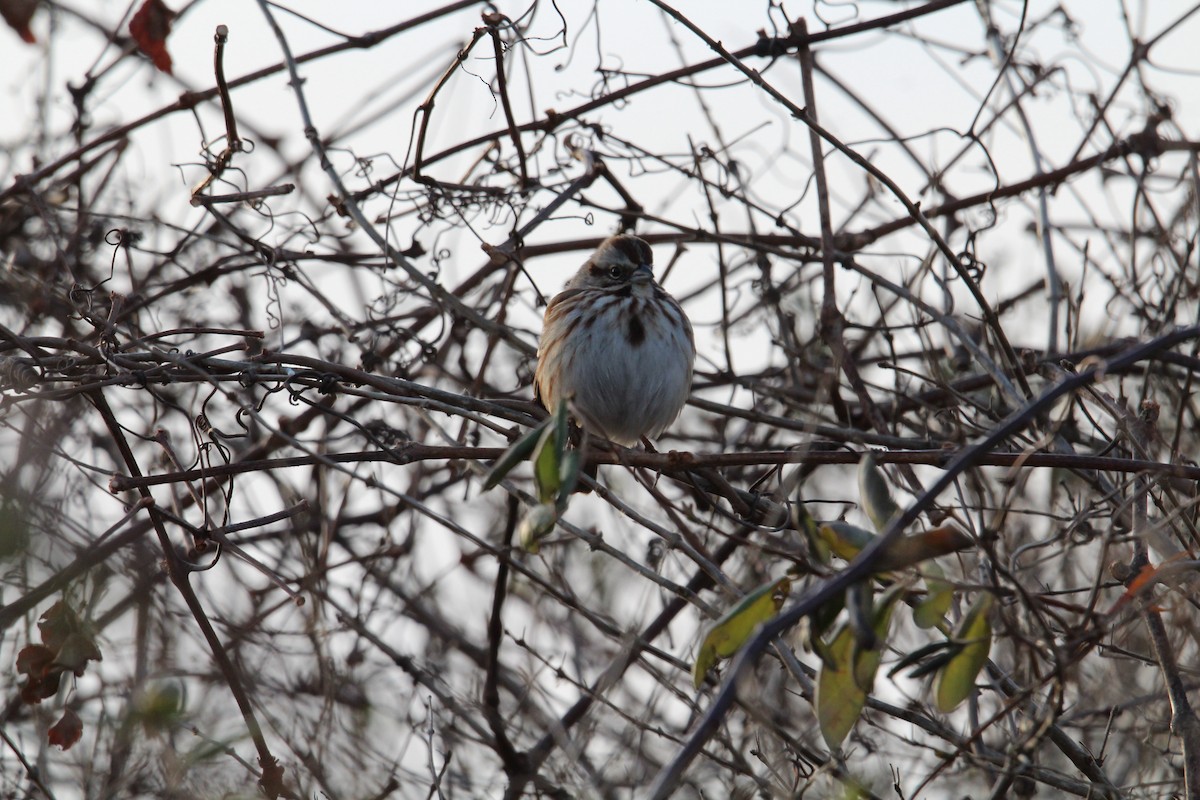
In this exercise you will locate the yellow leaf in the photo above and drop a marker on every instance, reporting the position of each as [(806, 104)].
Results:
[(802, 522), (939, 594), (839, 699), (706, 659), (844, 539), (848, 671), (956, 679), (160, 704), (738, 624)]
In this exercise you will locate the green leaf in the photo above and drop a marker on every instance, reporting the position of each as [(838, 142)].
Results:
[(731, 631), (867, 660), (549, 461), (160, 704), (839, 699), (956, 680), (848, 670), (823, 617), (939, 594), (706, 659), (801, 519), (802, 522), (568, 478), (561, 416), (874, 495), (546, 464), (514, 455)]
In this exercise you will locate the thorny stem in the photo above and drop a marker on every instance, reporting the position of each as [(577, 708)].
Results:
[(271, 779), (1184, 722), (668, 777), (493, 28), (914, 209)]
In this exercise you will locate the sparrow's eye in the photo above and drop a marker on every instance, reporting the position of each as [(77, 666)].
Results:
[(614, 273)]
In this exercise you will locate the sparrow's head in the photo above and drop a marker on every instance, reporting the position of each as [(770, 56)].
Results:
[(619, 261)]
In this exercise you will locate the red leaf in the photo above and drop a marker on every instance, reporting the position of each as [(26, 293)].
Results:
[(67, 645), (150, 27), (17, 14), (34, 660), (37, 663), (57, 623), (40, 688), (67, 730)]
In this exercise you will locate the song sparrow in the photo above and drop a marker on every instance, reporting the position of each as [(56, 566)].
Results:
[(616, 346)]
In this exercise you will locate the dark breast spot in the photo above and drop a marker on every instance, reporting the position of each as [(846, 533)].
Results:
[(637, 331), (624, 291), (652, 312)]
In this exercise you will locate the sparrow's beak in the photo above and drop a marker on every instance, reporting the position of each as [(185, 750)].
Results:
[(643, 274)]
